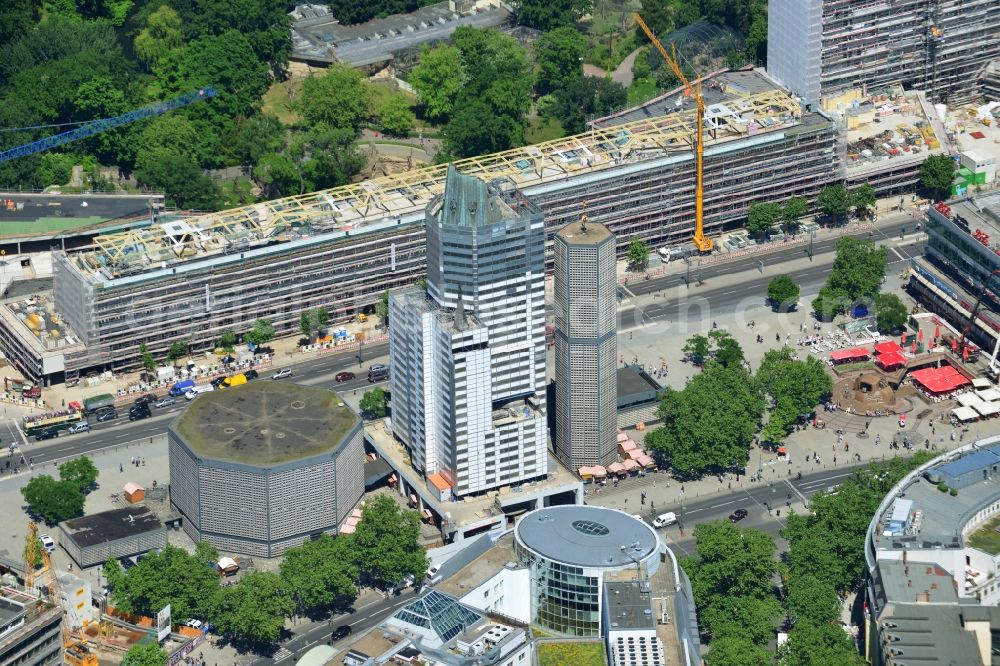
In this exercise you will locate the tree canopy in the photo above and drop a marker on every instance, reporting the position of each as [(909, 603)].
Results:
[(857, 275), (783, 293), (374, 404), (339, 98), (438, 79), (321, 575), (54, 501), (795, 388), (81, 472), (253, 612), (637, 255), (709, 425), (834, 201), (385, 543), (145, 654), (261, 333), (582, 98), (559, 54), (794, 209), (188, 582), (718, 346), (548, 15), (762, 216), (890, 313), (936, 173), (862, 198)]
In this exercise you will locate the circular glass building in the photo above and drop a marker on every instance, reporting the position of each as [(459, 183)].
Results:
[(570, 551)]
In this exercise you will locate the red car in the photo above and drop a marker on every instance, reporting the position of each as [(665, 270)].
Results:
[(344, 377)]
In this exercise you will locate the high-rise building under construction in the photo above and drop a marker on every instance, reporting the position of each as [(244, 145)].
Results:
[(820, 48)]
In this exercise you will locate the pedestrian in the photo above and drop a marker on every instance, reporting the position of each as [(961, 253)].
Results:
[(121, 468)]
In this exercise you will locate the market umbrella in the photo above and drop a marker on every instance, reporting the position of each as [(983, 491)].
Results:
[(965, 354), (920, 335), (954, 345), (913, 348), (903, 340), (937, 331)]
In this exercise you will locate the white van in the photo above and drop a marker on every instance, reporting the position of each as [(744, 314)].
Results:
[(195, 391), (664, 519)]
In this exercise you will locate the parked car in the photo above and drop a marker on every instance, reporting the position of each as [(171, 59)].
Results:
[(107, 415), (738, 515), (217, 382), (251, 374), (82, 426), (281, 374), (48, 433), (147, 399), (194, 624), (257, 351), (341, 632), (432, 571), (47, 543), (344, 377), (164, 402), (197, 390), (127, 563), (378, 373)]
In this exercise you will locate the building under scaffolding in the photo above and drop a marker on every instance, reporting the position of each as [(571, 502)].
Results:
[(824, 47), (341, 248)]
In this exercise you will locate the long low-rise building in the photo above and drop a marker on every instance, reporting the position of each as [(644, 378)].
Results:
[(192, 280)]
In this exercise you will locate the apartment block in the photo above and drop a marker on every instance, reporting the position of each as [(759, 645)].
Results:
[(468, 353), (586, 345), (939, 46)]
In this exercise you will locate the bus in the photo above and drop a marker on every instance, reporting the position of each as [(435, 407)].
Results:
[(32, 425)]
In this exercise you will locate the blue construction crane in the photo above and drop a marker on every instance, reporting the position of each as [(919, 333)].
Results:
[(105, 124)]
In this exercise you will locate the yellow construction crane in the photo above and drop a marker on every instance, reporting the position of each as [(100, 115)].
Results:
[(701, 241)]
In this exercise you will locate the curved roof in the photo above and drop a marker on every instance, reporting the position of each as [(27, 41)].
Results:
[(587, 536), (265, 423)]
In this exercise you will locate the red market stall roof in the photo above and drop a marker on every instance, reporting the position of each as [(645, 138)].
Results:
[(846, 354), (939, 380), (888, 347), (889, 359)]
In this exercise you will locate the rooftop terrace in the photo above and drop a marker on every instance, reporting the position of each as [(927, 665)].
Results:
[(382, 203), (265, 423)]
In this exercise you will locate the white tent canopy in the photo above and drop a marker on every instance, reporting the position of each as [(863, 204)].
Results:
[(986, 408), (988, 395), (967, 399), (981, 383), (965, 413), (227, 563)]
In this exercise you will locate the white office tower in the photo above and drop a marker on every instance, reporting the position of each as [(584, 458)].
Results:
[(586, 345), (468, 355)]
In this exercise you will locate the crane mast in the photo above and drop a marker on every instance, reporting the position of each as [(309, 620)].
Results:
[(701, 241)]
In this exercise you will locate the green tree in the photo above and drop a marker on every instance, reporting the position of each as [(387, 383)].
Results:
[(171, 132), (395, 117), (834, 201), (177, 350), (819, 645), (352, 11), (936, 174), (438, 78), (278, 176), (862, 198), (18, 17), (783, 293), (261, 333), (145, 654), (339, 97), (326, 157), (252, 138), (54, 501), (829, 303), (710, 424), (658, 15), (81, 472), (637, 255), (266, 25), (320, 575), (33, 551), (793, 210), (385, 542), (162, 34), (795, 388), (726, 350), (731, 581), (762, 216), (253, 611), (101, 98), (858, 269), (697, 348), (812, 599), (890, 313), (56, 168), (181, 179), (586, 97), (146, 356), (734, 650), (559, 54), (475, 129), (548, 15), (188, 582), (382, 308), (313, 321), (114, 11), (374, 404), (227, 341)]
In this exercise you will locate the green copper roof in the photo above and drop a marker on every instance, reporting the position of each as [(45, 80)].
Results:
[(467, 201)]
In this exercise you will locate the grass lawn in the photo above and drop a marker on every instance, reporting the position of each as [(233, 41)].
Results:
[(571, 654), (986, 537), (277, 103), (543, 129), (642, 90)]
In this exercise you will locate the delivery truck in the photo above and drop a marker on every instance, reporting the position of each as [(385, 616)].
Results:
[(98, 402), (181, 387)]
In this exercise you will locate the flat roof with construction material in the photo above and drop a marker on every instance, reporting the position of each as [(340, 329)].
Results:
[(111, 525), (380, 204), (590, 233), (265, 423)]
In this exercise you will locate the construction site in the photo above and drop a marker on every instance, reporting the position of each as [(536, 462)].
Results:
[(194, 278)]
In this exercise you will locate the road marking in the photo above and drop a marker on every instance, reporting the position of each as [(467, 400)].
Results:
[(281, 655), (716, 506), (796, 491), (627, 291), (896, 252), (310, 643)]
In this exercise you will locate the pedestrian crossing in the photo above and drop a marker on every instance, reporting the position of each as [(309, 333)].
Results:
[(281, 655)]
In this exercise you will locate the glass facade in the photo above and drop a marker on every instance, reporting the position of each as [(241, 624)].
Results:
[(564, 598), (961, 256)]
